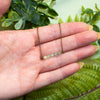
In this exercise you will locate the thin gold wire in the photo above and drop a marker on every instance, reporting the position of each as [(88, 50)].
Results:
[(62, 51), (41, 57)]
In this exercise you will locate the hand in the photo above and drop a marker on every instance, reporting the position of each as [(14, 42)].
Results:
[(22, 70)]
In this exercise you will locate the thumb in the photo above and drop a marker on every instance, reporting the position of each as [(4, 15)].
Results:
[(4, 5)]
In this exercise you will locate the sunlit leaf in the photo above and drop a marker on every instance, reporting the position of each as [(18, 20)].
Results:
[(96, 7), (82, 8), (69, 19), (18, 25), (76, 18), (7, 23), (13, 16), (60, 20)]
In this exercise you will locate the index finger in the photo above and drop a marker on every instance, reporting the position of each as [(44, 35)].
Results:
[(52, 32)]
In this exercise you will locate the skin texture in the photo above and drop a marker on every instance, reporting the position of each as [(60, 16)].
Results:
[(22, 70)]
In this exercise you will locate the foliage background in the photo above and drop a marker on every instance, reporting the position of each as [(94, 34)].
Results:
[(85, 84), (72, 7)]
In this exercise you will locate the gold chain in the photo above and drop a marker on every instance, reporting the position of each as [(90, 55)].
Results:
[(55, 54), (41, 57), (62, 51)]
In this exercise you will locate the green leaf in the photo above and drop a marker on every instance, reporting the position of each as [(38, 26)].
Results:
[(87, 11), (69, 19), (86, 19), (18, 25), (60, 20), (43, 5), (96, 7), (81, 19), (16, 1), (13, 15), (52, 12), (27, 3), (96, 28), (99, 41), (52, 3), (32, 12), (44, 21), (80, 83), (94, 43), (76, 18), (2, 18), (82, 8), (34, 18), (95, 18), (7, 23)]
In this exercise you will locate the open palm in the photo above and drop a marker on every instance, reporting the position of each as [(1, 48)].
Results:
[(22, 70)]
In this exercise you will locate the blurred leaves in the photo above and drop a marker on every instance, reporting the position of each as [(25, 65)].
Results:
[(76, 18), (25, 14), (69, 19), (96, 28), (89, 16)]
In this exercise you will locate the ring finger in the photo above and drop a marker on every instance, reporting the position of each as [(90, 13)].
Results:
[(67, 58)]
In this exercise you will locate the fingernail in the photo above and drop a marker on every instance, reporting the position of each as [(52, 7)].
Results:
[(96, 47), (90, 27), (81, 64), (98, 35)]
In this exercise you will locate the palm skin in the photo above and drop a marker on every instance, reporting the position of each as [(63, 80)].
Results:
[(22, 70), (20, 64), (16, 62)]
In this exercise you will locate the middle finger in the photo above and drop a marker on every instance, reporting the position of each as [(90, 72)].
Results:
[(68, 43)]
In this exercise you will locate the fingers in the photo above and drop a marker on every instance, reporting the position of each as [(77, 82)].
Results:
[(67, 58), (69, 43), (56, 75), (52, 32), (4, 5)]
